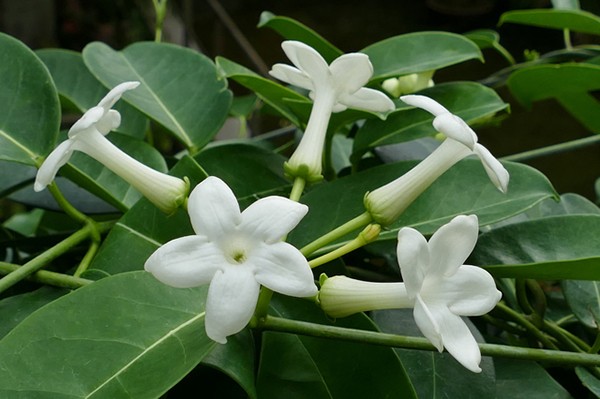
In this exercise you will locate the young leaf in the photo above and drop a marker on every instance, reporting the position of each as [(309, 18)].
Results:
[(127, 336), (30, 118), (179, 87)]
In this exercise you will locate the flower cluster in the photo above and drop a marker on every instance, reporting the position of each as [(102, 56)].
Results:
[(236, 253)]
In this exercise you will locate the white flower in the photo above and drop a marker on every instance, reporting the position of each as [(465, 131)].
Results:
[(386, 203), (333, 88), (436, 283), (235, 253), (87, 135), (408, 83), (443, 288)]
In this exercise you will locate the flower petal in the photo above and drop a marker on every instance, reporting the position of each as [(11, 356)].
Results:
[(213, 208), (494, 169), (368, 100), (350, 72), (89, 118), (57, 158), (413, 258), (291, 75), (426, 103), (185, 262), (427, 323), (455, 128), (115, 94), (471, 291), (451, 244), (457, 338), (269, 219), (282, 268), (308, 60), (110, 121), (231, 301)]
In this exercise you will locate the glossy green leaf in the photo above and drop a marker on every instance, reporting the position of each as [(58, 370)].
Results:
[(291, 29), (236, 359), (517, 379), (77, 85), (464, 189), (144, 228), (469, 100), (270, 92), (251, 171), (575, 20), (569, 84), (487, 38), (179, 87), (14, 175), (553, 248), (436, 375), (294, 366), (30, 117), (583, 298), (418, 52), (94, 177), (127, 336), (14, 309)]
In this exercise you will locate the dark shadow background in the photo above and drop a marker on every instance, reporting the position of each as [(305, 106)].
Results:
[(228, 28)]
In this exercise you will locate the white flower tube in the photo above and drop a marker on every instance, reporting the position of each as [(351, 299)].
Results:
[(436, 284), (386, 203), (88, 136), (333, 88)]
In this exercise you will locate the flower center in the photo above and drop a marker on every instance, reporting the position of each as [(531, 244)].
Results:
[(238, 256)]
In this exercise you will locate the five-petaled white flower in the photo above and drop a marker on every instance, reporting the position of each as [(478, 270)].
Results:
[(87, 135), (333, 88), (236, 253), (386, 203), (436, 284)]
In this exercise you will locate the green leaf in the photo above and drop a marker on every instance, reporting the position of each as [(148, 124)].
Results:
[(487, 38), (179, 87), (127, 336), (569, 84), (267, 90), (95, 178), (418, 52), (295, 366), (517, 379), (575, 20), (144, 228), (464, 189), (251, 171), (79, 87), (553, 248), (14, 309), (14, 175), (436, 375), (583, 297), (588, 380), (469, 100), (30, 117), (291, 29)]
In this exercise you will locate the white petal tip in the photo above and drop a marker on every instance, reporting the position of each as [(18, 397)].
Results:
[(37, 187)]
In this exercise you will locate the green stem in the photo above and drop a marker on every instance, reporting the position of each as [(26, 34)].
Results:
[(553, 149), (567, 39), (87, 259), (368, 235), (571, 341), (160, 7), (271, 323), (50, 254), (356, 223), (504, 53), (596, 346), (66, 205), (48, 278), (297, 188), (522, 320)]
